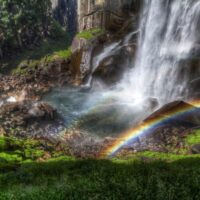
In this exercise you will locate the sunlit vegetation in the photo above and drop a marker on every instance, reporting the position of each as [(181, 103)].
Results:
[(23, 23), (29, 34), (15, 151), (146, 175), (193, 138), (41, 169), (90, 34), (49, 51)]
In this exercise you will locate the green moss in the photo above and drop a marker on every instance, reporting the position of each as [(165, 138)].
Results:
[(90, 34), (10, 157), (48, 50), (2, 143), (62, 54), (20, 148), (164, 156), (33, 153), (23, 71), (193, 138)]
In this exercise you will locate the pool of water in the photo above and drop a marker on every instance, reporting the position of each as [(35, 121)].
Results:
[(98, 112)]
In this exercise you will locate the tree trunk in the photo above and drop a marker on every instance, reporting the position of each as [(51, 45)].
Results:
[(19, 40)]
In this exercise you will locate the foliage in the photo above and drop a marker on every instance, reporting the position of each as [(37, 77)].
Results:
[(25, 22), (67, 178), (163, 156), (2, 143), (145, 176), (90, 34), (49, 51), (56, 30), (193, 138), (14, 151)]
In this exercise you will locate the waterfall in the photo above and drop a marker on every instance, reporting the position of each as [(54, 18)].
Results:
[(158, 73), (168, 35), (107, 51)]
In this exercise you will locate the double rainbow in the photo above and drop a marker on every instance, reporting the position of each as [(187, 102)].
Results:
[(149, 125)]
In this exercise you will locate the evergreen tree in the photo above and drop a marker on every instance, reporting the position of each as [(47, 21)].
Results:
[(23, 22)]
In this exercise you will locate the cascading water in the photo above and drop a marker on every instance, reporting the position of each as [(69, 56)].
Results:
[(108, 50), (168, 35)]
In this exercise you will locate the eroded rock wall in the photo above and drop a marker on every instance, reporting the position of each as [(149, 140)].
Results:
[(86, 14), (109, 14), (65, 12)]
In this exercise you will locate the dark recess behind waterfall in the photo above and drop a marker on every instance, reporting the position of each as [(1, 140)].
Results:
[(65, 12)]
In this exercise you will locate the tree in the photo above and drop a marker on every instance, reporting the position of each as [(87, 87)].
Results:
[(22, 22)]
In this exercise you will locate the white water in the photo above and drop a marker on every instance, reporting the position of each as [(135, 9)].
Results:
[(168, 34), (107, 51)]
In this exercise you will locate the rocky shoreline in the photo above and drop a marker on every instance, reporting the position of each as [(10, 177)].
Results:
[(22, 111), (24, 115)]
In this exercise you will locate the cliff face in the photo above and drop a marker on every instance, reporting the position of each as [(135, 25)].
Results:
[(65, 12), (109, 14), (85, 14)]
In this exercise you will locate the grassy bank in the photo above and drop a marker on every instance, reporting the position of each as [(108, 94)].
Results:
[(147, 175), (49, 50), (90, 34), (66, 178)]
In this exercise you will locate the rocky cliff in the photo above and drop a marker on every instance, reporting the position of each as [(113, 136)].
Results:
[(109, 14), (86, 14), (65, 12)]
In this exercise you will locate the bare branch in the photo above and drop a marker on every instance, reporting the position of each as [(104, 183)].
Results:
[(103, 10)]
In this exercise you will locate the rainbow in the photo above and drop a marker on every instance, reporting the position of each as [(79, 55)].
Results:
[(149, 125)]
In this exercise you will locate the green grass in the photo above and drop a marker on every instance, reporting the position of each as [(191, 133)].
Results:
[(2, 143), (10, 157), (143, 176), (16, 151), (48, 50), (67, 178), (164, 156), (90, 34), (193, 138)]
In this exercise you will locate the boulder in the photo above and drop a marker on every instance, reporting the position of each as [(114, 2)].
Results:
[(195, 149), (168, 127), (42, 110), (111, 69), (195, 88), (30, 117), (177, 113)]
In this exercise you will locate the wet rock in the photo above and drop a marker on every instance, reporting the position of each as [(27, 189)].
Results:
[(2, 132), (190, 114), (84, 145), (42, 110), (169, 135), (31, 118), (81, 57), (107, 14), (195, 149), (36, 82), (195, 87), (23, 65), (110, 70)]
